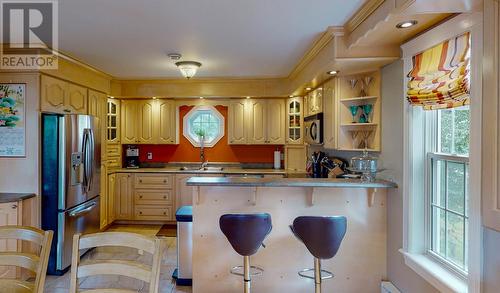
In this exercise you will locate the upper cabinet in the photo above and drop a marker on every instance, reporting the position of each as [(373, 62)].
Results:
[(314, 102), (113, 121), (59, 96), (165, 122), (330, 106), (490, 113), (148, 122), (236, 122), (257, 121), (294, 121)]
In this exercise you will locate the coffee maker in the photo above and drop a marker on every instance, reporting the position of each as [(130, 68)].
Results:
[(132, 157)]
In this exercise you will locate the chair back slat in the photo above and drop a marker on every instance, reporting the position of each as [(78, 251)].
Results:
[(123, 239), (131, 269), (22, 233), (35, 263), (24, 260)]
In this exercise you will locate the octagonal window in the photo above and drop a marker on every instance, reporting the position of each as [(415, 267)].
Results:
[(203, 123)]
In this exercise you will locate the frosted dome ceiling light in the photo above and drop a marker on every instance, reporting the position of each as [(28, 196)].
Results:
[(188, 68)]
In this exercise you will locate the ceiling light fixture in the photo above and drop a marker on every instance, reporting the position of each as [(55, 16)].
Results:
[(188, 68), (308, 88), (201, 97), (332, 72), (248, 97), (111, 97), (406, 24), (290, 96)]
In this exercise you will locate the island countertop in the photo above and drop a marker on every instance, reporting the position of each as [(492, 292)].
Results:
[(288, 182)]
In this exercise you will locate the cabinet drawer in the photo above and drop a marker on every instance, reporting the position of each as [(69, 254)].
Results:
[(114, 162), (153, 181), (158, 213), (157, 197), (113, 150)]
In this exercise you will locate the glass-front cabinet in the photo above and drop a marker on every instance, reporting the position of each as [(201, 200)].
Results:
[(295, 120), (113, 120)]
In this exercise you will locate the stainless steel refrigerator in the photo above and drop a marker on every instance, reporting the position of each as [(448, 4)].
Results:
[(70, 182)]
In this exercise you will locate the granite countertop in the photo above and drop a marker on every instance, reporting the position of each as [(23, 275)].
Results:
[(13, 197), (288, 182), (229, 170)]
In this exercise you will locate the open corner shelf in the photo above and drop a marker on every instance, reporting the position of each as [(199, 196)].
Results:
[(358, 101), (358, 126)]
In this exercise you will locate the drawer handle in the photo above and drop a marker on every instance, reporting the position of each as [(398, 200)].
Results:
[(140, 196), (165, 181), (164, 213), (140, 180), (164, 197), (140, 213), (14, 206)]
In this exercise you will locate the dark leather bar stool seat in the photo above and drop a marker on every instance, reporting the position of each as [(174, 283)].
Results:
[(322, 236), (245, 233)]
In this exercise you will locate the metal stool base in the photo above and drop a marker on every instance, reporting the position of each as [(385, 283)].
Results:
[(309, 273), (254, 271)]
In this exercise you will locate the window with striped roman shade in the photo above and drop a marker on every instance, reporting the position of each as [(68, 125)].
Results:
[(440, 75)]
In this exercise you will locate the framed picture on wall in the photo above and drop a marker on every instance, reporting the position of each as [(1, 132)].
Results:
[(12, 120)]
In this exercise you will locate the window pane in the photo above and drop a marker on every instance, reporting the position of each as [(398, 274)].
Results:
[(439, 194), (454, 128), (446, 131), (438, 231), (456, 187), (462, 125), (455, 239)]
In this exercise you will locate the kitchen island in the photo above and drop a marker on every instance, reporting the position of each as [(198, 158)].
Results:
[(359, 266)]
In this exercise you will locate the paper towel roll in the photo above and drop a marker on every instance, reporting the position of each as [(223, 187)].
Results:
[(277, 160)]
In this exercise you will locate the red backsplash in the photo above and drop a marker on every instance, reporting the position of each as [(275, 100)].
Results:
[(221, 152)]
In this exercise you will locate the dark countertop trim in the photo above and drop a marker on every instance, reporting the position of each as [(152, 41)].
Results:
[(13, 197), (288, 182), (175, 170)]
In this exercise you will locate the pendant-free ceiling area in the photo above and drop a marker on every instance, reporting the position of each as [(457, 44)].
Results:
[(231, 38)]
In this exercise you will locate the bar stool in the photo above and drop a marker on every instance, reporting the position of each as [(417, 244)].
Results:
[(322, 237), (246, 232)]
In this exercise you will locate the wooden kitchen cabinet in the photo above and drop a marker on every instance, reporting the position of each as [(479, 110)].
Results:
[(166, 122), (104, 197), (146, 122), (113, 121), (295, 157), (129, 121), (257, 124), (294, 121), (330, 123), (59, 96), (275, 128), (257, 121), (8, 216), (314, 102), (111, 198), (124, 203), (237, 122)]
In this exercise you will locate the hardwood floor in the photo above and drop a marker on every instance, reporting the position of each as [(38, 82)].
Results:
[(60, 284)]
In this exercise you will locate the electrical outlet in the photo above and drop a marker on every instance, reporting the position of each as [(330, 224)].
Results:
[(150, 156)]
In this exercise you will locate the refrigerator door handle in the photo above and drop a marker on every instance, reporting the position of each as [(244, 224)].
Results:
[(85, 159), (85, 210), (91, 158)]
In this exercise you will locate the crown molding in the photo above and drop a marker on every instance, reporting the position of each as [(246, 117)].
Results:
[(362, 14), (316, 48)]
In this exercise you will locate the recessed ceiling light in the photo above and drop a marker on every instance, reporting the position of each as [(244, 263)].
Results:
[(248, 97), (290, 96), (111, 97), (332, 72), (201, 97), (154, 98), (406, 24), (308, 88)]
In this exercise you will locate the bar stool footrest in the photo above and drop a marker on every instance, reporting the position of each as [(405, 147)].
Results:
[(309, 273), (254, 271)]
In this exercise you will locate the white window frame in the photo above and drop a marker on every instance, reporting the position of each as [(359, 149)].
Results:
[(186, 131), (415, 179)]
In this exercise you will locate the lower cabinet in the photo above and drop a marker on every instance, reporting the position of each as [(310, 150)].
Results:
[(142, 197)]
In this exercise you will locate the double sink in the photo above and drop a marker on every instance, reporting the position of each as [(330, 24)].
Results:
[(214, 169)]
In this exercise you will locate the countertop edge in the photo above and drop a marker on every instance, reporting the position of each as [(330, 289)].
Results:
[(288, 182), (6, 197)]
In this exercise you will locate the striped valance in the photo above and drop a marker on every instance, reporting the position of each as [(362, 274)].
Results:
[(440, 75)]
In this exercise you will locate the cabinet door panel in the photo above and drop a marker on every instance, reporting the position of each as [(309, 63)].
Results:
[(8, 216), (330, 113), (236, 122), (257, 118), (146, 124), (123, 197), (77, 99), (113, 121), (166, 122), (53, 92), (276, 121), (111, 198), (129, 123)]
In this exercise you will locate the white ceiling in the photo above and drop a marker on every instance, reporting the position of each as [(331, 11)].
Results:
[(232, 38)]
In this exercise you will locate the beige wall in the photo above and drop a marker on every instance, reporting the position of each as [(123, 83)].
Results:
[(392, 158), (21, 174), (491, 261)]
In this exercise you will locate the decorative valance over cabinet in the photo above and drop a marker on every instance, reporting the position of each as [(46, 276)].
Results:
[(490, 188), (440, 75)]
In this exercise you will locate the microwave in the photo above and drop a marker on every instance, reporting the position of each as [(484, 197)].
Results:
[(313, 128)]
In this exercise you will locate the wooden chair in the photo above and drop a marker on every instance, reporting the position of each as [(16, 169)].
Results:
[(133, 269), (29, 261)]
